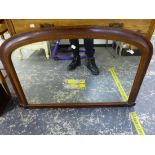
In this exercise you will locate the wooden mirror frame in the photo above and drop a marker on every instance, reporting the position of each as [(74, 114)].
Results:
[(127, 36)]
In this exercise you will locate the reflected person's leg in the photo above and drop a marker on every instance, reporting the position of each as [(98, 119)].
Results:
[(75, 46), (91, 65), (89, 46), (76, 57)]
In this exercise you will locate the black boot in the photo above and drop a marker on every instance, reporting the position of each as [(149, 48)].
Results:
[(91, 65), (75, 62)]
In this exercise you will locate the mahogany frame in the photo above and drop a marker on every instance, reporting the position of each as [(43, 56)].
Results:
[(127, 36)]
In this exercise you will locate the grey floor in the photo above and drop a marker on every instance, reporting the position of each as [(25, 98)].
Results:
[(44, 81), (17, 120)]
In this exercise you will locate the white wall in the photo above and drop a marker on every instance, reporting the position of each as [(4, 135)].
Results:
[(96, 41)]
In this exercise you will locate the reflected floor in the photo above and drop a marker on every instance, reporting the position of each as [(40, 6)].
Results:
[(43, 80)]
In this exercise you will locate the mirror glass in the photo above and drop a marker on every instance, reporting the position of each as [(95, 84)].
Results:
[(101, 70)]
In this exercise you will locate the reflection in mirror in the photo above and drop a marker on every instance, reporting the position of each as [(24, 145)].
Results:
[(50, 71)]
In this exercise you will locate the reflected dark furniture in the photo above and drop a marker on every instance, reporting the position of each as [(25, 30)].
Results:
[(4, 99), (127, 36), (5, 94), (4, 83)]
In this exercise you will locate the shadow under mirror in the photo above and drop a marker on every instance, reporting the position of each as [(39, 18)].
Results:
[(76, 71)]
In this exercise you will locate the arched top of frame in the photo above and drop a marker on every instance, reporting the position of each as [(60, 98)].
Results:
[(80, 32)]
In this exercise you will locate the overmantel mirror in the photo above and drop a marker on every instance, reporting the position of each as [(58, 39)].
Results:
[(37, 65)]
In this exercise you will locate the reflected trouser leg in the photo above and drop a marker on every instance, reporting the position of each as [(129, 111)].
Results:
[(76, 57), (91, 65), (89, 46), (75, 43)]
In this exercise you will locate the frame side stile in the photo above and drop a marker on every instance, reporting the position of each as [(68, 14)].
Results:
[(10, 70), (142, 69)]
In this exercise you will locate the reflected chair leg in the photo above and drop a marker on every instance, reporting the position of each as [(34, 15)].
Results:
[(121, 48), (20, 54), (106, 43), (46, 50)]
